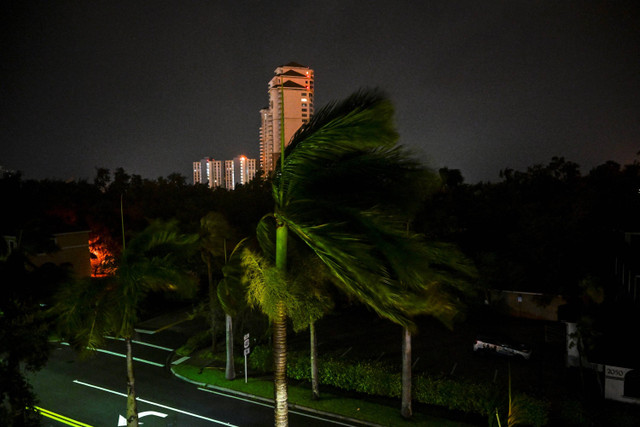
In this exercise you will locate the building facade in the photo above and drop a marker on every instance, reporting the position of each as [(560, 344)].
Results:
[(290, 106), (72, 250), (244, 169), (224, 173), (208, 171)]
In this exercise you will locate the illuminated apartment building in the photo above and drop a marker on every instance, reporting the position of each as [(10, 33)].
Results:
[(197, 173), (208, 171), (245, 169), (290, 95), (224, 173)]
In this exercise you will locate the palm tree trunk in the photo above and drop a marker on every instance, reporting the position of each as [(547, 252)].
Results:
[(280, 367), (132, 407), (315, 389), (230, 372), (212, 313), (281, 415), (405, 410)]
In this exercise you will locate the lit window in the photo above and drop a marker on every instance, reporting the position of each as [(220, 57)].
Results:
[(304, 100)]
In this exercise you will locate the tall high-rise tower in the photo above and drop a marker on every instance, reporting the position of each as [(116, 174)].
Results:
[(291, 96)]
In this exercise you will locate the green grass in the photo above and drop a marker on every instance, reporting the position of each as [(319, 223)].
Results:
[(298, 395)]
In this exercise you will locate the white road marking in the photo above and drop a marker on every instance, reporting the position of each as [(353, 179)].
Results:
[(137, 359), (159, 347), (122, 421), (112, 353), (191, 414)]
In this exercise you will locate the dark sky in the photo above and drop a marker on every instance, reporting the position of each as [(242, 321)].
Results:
[(151, 86)]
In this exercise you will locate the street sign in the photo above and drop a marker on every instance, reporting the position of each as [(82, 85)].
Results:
[(247, 350)]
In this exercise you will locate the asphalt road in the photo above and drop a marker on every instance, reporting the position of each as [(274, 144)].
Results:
[(93, 393)]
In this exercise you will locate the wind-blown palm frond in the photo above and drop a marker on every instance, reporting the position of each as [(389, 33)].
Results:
[(265, 234), (230, 289), (343, 188), (344, 146), (310, 277), (84, 313), (214, 232), (267, 286), (92, 307)]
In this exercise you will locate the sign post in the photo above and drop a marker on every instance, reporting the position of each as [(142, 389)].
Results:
[(247, 350)]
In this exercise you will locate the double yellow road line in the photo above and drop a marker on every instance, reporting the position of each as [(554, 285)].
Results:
[(54, 416)]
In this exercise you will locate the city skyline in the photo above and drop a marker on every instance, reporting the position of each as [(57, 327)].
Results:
[(478, 87)]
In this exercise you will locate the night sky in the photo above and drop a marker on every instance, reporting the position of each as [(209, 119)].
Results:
[(479, 86)]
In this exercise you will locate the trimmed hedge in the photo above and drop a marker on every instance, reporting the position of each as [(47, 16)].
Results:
[(379, 379)]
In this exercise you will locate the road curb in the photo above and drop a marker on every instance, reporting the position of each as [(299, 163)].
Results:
[(271, 401)]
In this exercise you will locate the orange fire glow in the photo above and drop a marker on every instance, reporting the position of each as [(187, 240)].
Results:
[(102, 260)]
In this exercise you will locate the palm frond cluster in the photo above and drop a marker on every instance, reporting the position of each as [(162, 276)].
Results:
[(346, 188), (88, 309)]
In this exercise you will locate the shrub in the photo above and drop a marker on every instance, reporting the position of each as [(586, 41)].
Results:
[(261, 359), (379, 379), (194, 343)]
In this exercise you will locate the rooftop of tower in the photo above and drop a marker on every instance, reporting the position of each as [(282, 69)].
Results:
[(293, 64)]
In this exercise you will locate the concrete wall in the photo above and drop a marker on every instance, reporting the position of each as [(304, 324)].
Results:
[(620, 382), (74, 250)]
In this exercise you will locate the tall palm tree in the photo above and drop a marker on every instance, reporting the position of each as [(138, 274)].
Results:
[(310, 300), (214, 236), (446, 276), (231, 295), (340, 187), (90, 309), (311, 277)]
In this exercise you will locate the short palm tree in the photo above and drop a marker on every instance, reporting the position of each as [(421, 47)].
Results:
[(90, 309), (340, 187)]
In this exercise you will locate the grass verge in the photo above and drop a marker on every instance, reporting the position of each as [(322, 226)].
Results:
[(374, 413)]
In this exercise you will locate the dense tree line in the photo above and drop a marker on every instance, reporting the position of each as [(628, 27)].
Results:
[(545, 229)]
